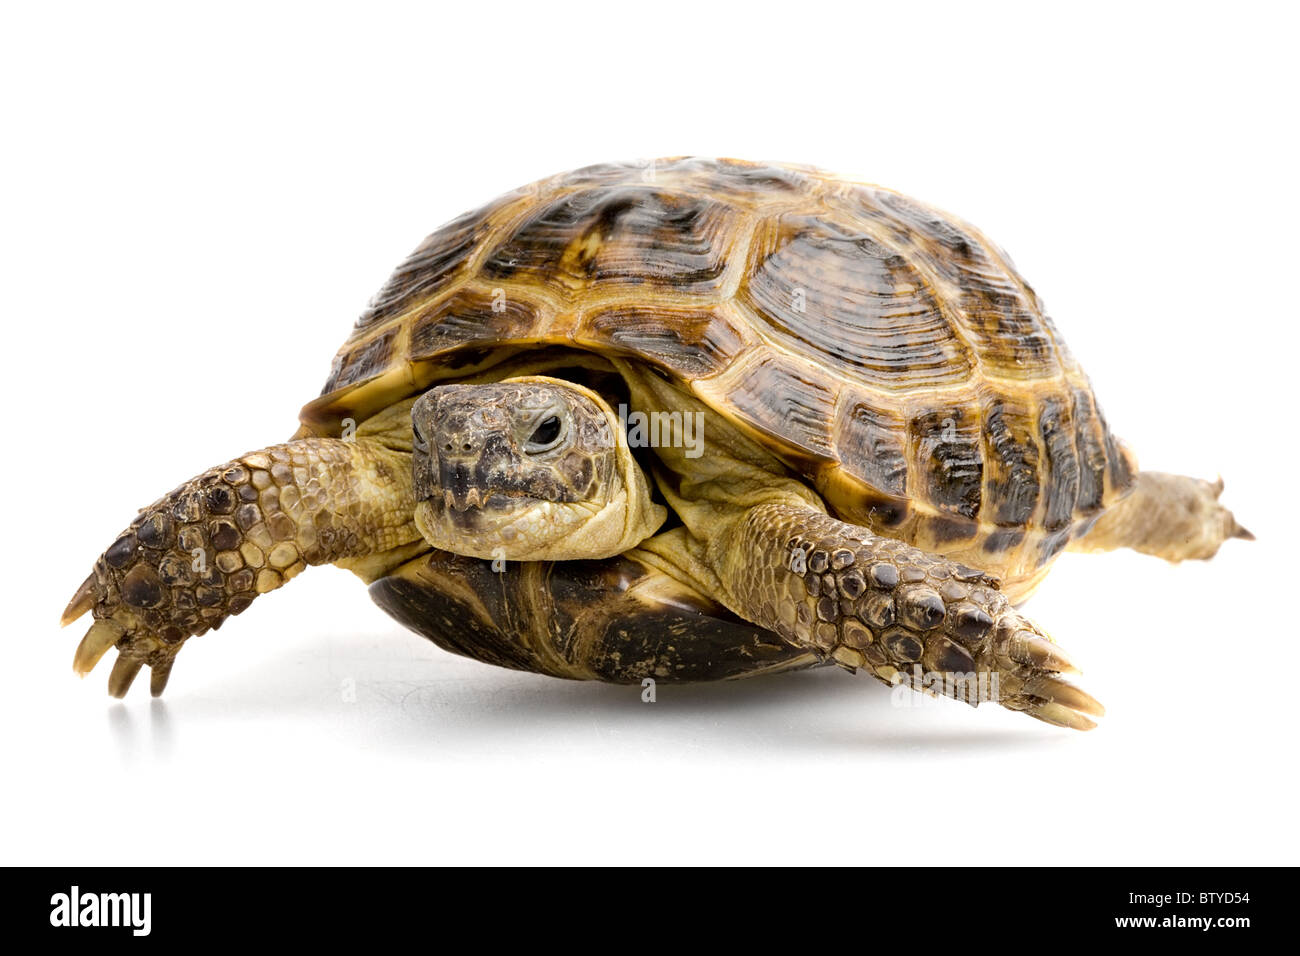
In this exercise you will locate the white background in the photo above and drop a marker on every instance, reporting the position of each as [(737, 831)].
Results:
[(196, 205)]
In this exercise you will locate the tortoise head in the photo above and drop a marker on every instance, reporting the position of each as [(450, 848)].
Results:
[(528, 469)]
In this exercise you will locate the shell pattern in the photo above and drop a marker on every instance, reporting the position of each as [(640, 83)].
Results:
[(886, 351)]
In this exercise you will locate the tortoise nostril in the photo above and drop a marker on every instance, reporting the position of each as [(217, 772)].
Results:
[(459, 445)]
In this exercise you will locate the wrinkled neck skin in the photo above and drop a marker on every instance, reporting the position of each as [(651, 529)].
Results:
[(480, 493), (734, 472)]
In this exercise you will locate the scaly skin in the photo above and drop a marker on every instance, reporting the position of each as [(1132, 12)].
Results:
[(876, 603), (207, 549)]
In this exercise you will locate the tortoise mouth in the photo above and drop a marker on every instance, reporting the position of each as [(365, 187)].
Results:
[(469, 500), (458, 490), (496, 524)]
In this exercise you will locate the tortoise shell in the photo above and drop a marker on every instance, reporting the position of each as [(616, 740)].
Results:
[(884, 350)]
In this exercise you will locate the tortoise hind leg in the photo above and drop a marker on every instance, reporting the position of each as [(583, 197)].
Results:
[(618, 620), (1171, 516)]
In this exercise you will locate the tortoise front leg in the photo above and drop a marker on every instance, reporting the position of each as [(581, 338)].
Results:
[(902, 614), (207, 549)]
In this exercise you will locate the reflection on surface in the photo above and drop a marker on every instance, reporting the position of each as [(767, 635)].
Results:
[(395, 693), (152, 741)]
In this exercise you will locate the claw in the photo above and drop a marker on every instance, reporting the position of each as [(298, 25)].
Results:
[(1028, 648), (124, 671), (1236, 531), (81, 602), (1054, 690), (1059, 716), (158, 675), (101, 636)]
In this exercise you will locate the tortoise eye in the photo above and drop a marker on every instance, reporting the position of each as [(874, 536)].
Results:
[(546, 434), (419, 437)]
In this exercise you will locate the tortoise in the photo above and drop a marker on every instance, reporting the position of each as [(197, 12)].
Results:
[(687, 420)]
